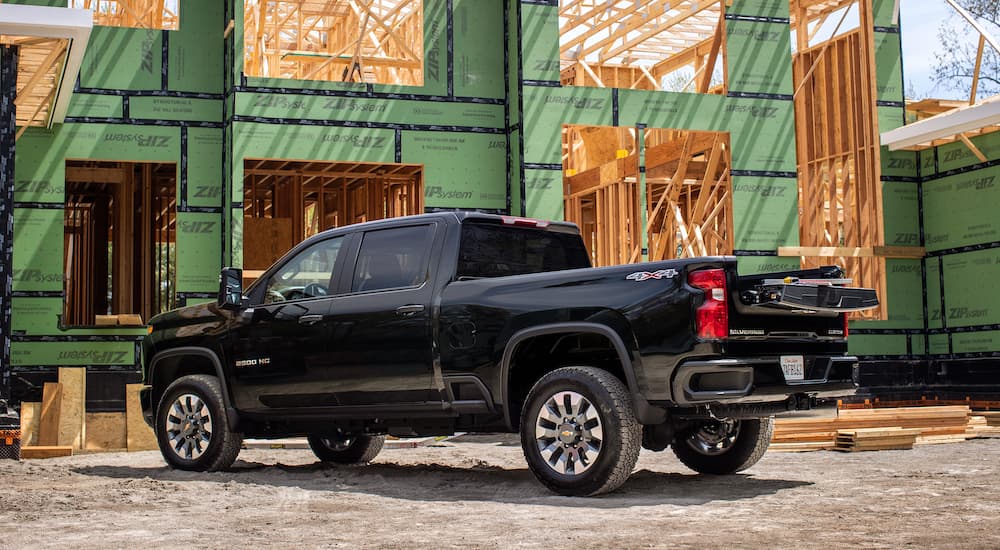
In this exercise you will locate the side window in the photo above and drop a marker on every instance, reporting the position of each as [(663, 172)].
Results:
[(393, 258), (307, 275)]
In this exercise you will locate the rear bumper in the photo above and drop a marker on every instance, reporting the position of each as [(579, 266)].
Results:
[(760, 380)]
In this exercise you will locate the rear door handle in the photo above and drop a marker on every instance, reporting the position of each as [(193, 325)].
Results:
[(406, 311), (310, 319)]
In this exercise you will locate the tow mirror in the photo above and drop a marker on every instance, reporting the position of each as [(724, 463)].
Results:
[(231, 288)]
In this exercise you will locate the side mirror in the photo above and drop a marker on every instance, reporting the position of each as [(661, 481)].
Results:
[(231, 289)]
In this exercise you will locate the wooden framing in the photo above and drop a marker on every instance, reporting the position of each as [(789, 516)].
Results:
[(286, 201), (688, 193), (119, 231), (839, 164), (374, 41), (143, 14), (640, 43), (40, 67)]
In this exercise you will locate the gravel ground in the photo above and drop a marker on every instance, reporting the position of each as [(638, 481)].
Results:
[(476, 492)]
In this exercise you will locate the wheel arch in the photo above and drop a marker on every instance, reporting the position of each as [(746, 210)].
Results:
[(515, 343), (168, 365)]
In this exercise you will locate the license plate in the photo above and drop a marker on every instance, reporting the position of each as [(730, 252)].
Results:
[(794, 367)]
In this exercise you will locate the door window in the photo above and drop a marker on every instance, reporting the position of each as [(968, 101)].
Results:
[(393, 258), (307, 275)]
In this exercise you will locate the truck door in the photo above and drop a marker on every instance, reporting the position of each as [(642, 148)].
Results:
[(281, 339), (382, 342)]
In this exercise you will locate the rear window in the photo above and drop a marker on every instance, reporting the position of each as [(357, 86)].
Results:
[(499, 251)]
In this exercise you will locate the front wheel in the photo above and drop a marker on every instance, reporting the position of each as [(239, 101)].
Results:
[(724, 446), (192, 428), (346, 449), (579, 433)]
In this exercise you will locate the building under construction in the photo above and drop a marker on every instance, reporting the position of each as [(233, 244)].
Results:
[(148, 143)]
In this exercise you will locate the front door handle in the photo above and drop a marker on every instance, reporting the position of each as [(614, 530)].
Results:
[(406, 311), (310, 319)]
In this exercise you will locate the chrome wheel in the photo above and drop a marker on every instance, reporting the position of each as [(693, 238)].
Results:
[(715, 438), (189, 426), (568, 433)]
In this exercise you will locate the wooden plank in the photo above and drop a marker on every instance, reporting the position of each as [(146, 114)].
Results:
[(31, 413), (139, 436), (72, 416), (48, 425), (911, 252), (45, 451)]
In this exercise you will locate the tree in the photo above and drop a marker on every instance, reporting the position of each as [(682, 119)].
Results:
[(955, 63)]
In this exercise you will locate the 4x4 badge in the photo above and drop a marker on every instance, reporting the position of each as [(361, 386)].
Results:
[(645, 275)]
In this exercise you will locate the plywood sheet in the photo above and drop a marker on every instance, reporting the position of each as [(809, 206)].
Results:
[(48, 424), (30, 416), (105, 431), (72, 421), (139, 436), (265, 240)]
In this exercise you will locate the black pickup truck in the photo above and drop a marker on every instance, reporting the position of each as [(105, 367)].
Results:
[(464, 322)]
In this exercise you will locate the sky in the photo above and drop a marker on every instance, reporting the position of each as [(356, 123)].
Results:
[(919, 22)]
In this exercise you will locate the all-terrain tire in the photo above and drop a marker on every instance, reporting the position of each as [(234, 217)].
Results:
[(194, 405), (616, 435), (747, 449), (359, 449)]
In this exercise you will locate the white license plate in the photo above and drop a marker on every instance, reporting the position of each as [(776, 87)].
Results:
[(794, 367)]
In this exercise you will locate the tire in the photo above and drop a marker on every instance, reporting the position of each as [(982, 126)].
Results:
[(342, 449), (714, 448), (192, 428), (560, 449)]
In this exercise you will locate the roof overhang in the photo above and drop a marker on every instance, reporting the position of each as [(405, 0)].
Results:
[(924, 133), (52, 42)]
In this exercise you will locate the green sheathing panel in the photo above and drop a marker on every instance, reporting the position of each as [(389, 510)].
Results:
[(460, 170), (888, 67), (759, 57), (899, 164), (49, 3), (900, 213), (763, 133), (970, 288), (478, 48), (876, 344), (926, 158), (429, 113), (72, 353), (765, 212), (175, 108), (123, 59), (545, 194), (671, 110), (905, 297), (889, 118), (38, 250), (957, 155), (960, 210), (36, 316), (546, 110), (758, 8), (755, 265), (195, 49), (96, 106), (882, 13), (976, 342), (198, 263), (938, 344), (204, 167), (540, 42), (933, 278)]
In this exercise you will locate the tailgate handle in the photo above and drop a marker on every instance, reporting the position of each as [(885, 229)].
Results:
[(310, 319), (406, 311)]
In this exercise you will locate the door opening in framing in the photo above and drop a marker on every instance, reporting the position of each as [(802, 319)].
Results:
[(286, 201), (120, 229), (683, 210)]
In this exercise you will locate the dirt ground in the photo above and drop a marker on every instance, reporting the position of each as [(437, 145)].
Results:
[(476, 492)]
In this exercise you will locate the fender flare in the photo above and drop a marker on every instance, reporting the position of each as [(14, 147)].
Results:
[(563, 328), (187, 351)]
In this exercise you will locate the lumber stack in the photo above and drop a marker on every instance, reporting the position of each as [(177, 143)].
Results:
[(933, 424), (876, 439)]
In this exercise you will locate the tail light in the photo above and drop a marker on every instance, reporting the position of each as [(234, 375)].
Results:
[(846, 330), (712, 317)]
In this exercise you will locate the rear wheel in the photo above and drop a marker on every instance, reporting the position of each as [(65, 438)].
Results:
[(579, 433), (192, 428), (724, 446), (344, 448)]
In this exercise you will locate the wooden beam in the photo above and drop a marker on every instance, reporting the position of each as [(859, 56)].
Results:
[(901, 252)]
